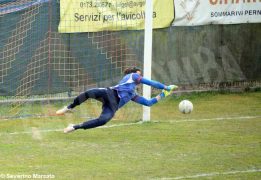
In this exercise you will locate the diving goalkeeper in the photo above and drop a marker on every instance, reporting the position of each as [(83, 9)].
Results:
[(115, 97)]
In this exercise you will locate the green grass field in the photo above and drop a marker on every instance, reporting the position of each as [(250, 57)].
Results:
[(220, 139)]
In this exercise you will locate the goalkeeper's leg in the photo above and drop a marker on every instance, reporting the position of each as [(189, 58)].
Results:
[(106, 116), (77, 101), (92, 93)]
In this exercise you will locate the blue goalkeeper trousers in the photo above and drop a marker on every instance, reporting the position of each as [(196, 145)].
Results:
[(110, 103)]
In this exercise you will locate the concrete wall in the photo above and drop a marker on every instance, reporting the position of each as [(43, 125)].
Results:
[(210, 53)]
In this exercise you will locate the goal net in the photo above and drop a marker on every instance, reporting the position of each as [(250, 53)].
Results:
[(46, 60)]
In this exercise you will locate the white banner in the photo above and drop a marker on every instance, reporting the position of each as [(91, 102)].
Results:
[(200, 12)]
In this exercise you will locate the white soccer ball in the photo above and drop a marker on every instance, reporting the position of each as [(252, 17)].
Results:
[(185, 106)]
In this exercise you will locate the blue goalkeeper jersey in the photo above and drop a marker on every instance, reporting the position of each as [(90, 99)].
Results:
[(126, 89)]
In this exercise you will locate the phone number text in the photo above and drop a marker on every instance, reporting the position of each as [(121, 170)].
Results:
[(105, 4)]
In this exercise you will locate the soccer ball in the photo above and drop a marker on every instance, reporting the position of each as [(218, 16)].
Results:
[(185, 107)]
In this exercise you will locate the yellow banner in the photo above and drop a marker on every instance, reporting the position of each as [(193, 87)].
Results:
[(112, 15)]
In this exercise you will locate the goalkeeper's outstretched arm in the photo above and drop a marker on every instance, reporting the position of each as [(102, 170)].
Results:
[(148, 102), (139, 79)]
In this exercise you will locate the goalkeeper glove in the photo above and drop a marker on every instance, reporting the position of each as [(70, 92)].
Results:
[(171, 87), (168, 91)]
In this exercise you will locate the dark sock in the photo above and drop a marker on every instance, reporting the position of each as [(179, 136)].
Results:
[(71, 106), (77, 126)]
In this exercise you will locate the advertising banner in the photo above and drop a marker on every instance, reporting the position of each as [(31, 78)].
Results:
[(93, 15), (200, 12)]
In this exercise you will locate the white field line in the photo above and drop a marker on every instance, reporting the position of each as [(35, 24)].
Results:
[(196, 176), (61, 130), (214, 119), (137, 123)]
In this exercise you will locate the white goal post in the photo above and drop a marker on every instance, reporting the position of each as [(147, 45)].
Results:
[(147, 55)]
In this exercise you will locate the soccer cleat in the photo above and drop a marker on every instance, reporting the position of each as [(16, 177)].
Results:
[(69, 129), (62, 111)]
